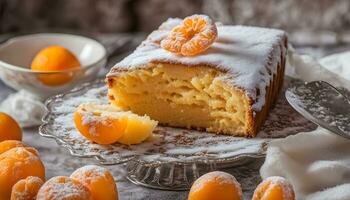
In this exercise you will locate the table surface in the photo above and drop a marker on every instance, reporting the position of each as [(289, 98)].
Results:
[(58, 161)]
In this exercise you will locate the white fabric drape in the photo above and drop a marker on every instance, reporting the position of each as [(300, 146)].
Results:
[(317, 163)]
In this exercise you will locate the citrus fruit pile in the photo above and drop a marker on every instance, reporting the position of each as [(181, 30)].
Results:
[(90, 182), (22, 173)]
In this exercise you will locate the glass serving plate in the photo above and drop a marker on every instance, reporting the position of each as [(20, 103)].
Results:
[(173, 158)]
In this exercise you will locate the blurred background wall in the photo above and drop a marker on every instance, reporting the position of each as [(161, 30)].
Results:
[(112, 16)]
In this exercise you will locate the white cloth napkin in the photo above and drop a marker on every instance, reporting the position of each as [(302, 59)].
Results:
[(317, 163), (25, 107)]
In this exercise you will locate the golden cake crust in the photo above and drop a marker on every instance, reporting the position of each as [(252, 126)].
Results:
[(255, 122)]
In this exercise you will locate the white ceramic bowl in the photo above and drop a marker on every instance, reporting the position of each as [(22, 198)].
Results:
[(17, 53)]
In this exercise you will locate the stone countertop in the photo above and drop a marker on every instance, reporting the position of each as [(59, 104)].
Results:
[(58, 161)]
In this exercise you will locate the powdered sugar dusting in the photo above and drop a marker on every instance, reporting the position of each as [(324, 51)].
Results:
[(34, 179), (88, 118), (167, 144), (170, 24), (27, 192), (90, 173), (21, 195), (61, 188), (25, 153), (217, 177), (22, 150), (249, 55)]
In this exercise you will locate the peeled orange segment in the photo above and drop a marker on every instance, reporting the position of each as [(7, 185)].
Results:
[(175, 40), (26, 189), (107, 124), (274, 188), (193, 36), (138, 129), (97, 124)]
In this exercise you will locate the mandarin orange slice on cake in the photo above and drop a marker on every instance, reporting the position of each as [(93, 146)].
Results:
[(194, 35)]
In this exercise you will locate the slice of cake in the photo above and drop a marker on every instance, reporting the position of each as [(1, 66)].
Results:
[(227, 89)]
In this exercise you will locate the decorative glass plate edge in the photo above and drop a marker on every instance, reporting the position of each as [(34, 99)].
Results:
[(48, 120)]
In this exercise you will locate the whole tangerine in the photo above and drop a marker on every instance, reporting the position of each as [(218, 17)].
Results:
[(216, 185), (9, 144), (98, 180), (63, 188), (9, 128)]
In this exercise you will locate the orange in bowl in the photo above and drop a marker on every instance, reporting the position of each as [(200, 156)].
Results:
[(216, 185), (274, 188), (54, 59), (9, 128)]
